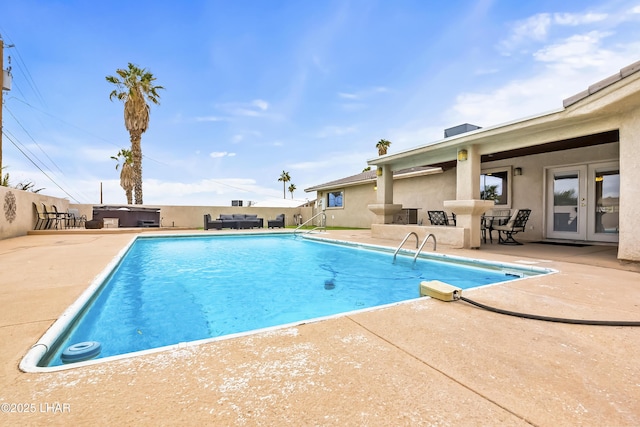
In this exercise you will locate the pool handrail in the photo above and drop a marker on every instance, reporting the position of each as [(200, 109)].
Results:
[(323, 223), (403, 242), (424, 242)]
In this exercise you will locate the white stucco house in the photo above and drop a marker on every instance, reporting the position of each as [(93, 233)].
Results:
[(577, 168)]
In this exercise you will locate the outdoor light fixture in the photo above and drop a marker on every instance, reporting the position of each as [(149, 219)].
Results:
[(517, 171), (379, 171), (462, 155)]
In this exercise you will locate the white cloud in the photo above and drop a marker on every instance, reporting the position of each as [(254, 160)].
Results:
[(538, 27), (263, 105), (363, 93), (219, 154), (255, 108), (211, 119), (535, 28), (334, 131), (209, 192), (574, 19), (348, 95), (579, 50)]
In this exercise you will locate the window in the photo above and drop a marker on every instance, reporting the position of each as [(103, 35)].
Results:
[(334, 199), (494, 185)]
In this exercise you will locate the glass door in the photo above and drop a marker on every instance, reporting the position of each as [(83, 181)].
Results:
[(604, 206), (583, 202), (567, 203)]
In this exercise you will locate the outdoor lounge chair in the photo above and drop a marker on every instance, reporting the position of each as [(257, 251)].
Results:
[(278, 222), (440, 218), (516, 224)]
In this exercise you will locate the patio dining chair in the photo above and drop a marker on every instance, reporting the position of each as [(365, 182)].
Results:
[(492, 218), (438, 217), (74, 218), (42, 219), (516, 224)]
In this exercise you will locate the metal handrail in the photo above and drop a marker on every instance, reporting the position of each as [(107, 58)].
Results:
[(323, 223), (423, 243), (403, 241)]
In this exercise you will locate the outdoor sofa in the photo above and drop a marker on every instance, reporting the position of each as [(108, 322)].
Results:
[(239, 221)]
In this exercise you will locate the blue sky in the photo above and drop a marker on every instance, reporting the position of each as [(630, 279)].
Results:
[(257, 87)]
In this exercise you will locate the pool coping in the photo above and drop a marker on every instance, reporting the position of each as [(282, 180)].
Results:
[(29, 363)]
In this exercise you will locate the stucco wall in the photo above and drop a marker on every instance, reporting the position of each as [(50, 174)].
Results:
[(354, 212), (422, 192), (18, 212), (428, 192), (528, 188), (193, 216), (629, 245)]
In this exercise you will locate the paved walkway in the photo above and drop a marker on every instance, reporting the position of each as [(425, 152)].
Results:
[(425, 362)]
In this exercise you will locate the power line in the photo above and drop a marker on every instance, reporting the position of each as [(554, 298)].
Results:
[(34, 141), (38, 167)]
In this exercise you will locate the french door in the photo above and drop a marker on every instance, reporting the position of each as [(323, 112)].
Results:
[(583, 202)]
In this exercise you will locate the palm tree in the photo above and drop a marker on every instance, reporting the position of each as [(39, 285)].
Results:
[(4, 179), (135, 86), (127, 173), (284, 177), (383, 146), (292, 188)]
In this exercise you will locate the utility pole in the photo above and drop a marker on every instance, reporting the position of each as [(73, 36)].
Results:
[(5, 84), (1, 92)]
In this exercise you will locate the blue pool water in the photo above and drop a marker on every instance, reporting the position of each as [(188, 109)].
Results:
[(168, 290)]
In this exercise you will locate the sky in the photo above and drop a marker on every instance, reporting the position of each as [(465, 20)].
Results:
[(254, 88)]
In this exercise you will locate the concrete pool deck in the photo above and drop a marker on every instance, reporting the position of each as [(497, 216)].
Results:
[(425, 362)]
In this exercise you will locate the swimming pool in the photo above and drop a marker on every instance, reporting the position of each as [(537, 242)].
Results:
[(164, 291)]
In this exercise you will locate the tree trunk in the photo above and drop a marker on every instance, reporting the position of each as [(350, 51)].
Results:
[(136, 154)]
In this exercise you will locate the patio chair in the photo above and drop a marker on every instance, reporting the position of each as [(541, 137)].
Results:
[(41, 218), (439, 218), (516, 224), (61, 217), (52, 218), (278, 222), (491, 218), (75, 218)]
